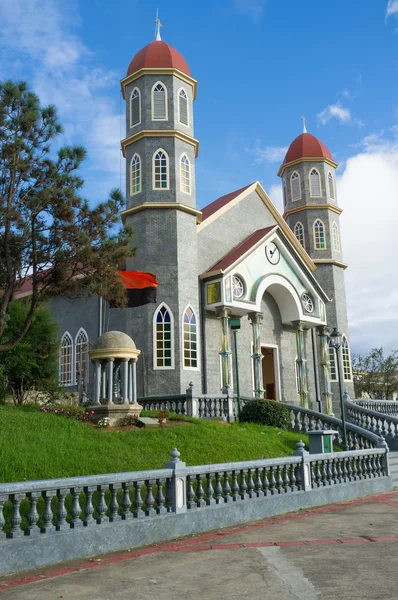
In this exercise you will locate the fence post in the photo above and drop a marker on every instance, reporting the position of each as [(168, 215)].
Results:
[(192, 403), (304, 467), (178, 499), (386, 464)]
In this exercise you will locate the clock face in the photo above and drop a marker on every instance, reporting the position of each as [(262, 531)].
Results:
[(272, 253)]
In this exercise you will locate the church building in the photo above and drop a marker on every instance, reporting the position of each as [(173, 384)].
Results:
[(282, 276)]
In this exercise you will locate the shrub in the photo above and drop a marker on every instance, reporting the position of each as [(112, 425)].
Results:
[(163, 415), (266, 412), (129, 420)]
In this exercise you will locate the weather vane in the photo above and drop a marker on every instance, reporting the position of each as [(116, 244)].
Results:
[(304, 120), (158, 25)]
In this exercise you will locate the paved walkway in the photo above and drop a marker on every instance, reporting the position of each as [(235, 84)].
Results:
[(339, 552)]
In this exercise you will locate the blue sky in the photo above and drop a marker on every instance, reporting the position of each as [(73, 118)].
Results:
[(260, 66)]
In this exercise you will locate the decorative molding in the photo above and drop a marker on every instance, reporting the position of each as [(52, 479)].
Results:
[(332, 207), (307, 159), (160, 133), (153, 71), (162, 205), (330, 261)]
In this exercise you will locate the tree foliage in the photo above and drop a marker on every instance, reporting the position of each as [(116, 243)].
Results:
[(49, 235), (33, 362), (376, 375)]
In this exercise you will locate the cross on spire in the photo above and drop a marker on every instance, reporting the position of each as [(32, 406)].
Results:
[(304, 120), (158, 25)]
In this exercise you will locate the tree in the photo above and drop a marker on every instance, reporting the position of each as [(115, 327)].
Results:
[(33, 362), (376, 375), (49, 236)]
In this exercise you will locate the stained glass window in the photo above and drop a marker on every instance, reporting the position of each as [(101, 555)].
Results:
[(135, 175), (336, 237), (135, 107), (82, 362), (315, 183), (331, 185), (345, 353), (333, 364), (295, 186), (190, 339), (183, 107), (164, 338), (319, 235), (238, 287), (214, 292), (159, 103), (299, 233), (160, 173), (65, 360), (185, 174)]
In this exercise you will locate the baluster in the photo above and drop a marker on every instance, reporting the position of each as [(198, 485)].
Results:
[(190, 493), (297, 421), (312, 474), (33, 516), (169, 494), (138, 512), (354, 468), (150, 500), (349, 469), (209, 489), (2, 519), (359, 467), (243, 485), (89, 509), (329, 472), (285, 479), (235, 487), (16, 520), (226, 487), (344, 469), (62, 524), (317, 474), (297, 472), (114, 505), (126, 501), (323, 473), (372, 463), (292, 478), (250, 483), (200, 491), (258, 484), (101, 506), (272, 481), (334, 470), (279, 480), (218, 489), (265, 482), (160, 507), (379, 465), (384, 428), (47, 525)]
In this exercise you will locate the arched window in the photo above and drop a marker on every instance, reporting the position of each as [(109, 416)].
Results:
[(65, 360), (319, 235), (315, 183), (299, 233), (183, 107), (159, 102), (185, 174), (163, 338), (331, 186), (135, 182), (332, 361), (336, 237), (160, 170), (81, 356), (190, 343), (345, 354), (295, 186), (135, 107)]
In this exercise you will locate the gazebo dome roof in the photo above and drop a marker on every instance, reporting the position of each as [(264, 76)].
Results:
[(114, 340), (158, 55)]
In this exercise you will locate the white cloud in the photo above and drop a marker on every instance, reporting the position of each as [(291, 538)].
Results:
[(392, 8), (275, 193), (334, 111), (271, 154), (346, 93), (252, 8)]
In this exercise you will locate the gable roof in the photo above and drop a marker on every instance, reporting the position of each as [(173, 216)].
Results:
[(216, 205)]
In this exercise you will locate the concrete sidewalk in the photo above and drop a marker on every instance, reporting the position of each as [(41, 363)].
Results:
[(343, 551)]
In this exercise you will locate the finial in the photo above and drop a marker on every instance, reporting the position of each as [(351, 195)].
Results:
[(304, 120), (158, 25)]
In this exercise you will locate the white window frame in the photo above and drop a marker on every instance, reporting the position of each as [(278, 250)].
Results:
[(183, 341), (160, 189), (347, 350), (291, 186), (320, 183), (316, 247), (299, 224), (336, 237), (131, 174), (166, 118), (71, 382), (277, 369), (139, 108), (155, 366), (189, 175), (182, 89), (82, 331), (331, 179), (332, 350)]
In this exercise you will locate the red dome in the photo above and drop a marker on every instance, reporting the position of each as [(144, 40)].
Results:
[(158, 55), (306, 146)]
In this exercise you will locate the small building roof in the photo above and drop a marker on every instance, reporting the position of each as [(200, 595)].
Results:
[(112, 340), (306, 145), (158, 55)]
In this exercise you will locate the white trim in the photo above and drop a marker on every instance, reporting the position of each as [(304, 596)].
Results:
[(277, 374), (310, 183), (131, 174), (82, 330), (336, 237), (155, 367), (197, 368), (166, 118), (178, 102), (330, 176), (336, 371), (314, 235), (139, 108), (167, 170), (289, 302), (72, 360), (299, 223), (344, 337), (293, 199), (189, 174)]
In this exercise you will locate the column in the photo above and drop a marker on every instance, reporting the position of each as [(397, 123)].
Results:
[(110, 380), (325, 364), (130, 381), (257, 356), (134, 381), (125, 380), (301, 361), (224, 315), (97, 390), (103, 380)]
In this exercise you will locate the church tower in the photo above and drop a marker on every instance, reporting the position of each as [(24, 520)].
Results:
[(160, 151), (308, 177)]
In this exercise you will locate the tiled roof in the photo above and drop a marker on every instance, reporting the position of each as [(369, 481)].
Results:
[(306, 146), (158, 55)]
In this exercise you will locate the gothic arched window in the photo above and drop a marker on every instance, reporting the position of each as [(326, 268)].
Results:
[(190, 342), (185, 174), (135, 107), (331, 186), (81, 356), (135, 180), (159, 102), (336, 236), (319, 235), (295, 186), (315, 183), (333, 363), (345, 354), (163, 348), (299, 233), (160, 170), (183, 107), (65, 360)]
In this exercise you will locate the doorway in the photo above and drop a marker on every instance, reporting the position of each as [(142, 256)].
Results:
[(270, 373)]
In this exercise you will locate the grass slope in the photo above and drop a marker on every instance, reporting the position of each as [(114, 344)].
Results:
[(35, 445)]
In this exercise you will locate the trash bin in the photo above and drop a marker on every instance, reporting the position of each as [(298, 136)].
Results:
[(321, 440)]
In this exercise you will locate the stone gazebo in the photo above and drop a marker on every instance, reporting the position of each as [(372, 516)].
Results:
[(115, 394)]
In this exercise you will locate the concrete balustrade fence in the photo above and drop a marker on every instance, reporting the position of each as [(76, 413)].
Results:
[(374, 421), (386, 407)]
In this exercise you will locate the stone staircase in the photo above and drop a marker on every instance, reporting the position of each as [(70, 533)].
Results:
[(393, 460)]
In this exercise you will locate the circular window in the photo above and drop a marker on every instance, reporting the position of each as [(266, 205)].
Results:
[(308, 303), (238, 287)]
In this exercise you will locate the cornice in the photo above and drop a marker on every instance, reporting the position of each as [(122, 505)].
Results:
[(332, 207), (307, 159), (153, 71), (329, 261), (162, 206), (160, 133)]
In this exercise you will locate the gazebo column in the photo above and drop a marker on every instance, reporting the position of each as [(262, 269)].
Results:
[(130, 381), (325, 364), (125, 380), (224, 315), (301, 362), (134, 380), (110, 367), (103, 381), (257, 356), (97, 390)]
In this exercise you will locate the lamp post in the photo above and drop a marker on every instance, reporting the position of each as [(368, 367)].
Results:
[(335, 337), (235, 326)]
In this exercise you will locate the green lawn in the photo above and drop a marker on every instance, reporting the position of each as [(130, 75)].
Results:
[(36, 445)]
